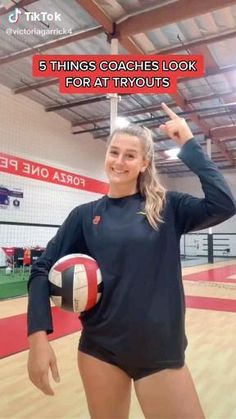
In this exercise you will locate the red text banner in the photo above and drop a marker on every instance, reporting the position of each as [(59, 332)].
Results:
[(33, 170), (118, 73)]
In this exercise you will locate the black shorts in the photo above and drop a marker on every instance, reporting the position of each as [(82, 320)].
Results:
[(90, 348)]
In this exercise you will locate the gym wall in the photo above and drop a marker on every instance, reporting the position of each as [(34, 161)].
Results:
[(28, 132)]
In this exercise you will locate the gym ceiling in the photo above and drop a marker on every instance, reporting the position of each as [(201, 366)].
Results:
[(206, 27)]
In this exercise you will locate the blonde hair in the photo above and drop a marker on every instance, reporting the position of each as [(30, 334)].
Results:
[(148, 184)]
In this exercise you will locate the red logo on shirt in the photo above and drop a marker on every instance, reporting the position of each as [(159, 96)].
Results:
[(96, 219)]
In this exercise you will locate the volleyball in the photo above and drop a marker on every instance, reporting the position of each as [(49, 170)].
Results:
[(75, 282)]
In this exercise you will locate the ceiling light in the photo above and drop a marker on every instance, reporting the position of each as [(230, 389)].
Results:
[(172, 153), (121, 122)]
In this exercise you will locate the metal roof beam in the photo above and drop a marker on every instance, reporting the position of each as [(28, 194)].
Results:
[(202, 125), (40, 48), (81, 102), (168, 14), (93, 9), (155, 109), (98, 14), (35, 86), (209, 72), (212, 65), (159, 118), (199, 42), (224, 132), (20, 4)]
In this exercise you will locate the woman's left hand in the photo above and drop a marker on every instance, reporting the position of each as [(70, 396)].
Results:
[(177, 128)]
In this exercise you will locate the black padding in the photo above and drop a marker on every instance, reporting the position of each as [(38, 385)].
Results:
[(67, 288)]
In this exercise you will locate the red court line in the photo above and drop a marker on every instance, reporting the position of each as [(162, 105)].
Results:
[(211, 303), (13, 331), (213, 275)]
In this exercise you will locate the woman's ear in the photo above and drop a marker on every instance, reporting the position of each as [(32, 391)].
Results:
[(145, 165)]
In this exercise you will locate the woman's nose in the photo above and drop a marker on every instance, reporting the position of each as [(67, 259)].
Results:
[(120, 159)]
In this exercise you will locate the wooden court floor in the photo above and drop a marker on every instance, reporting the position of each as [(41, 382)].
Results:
[(211, 355)]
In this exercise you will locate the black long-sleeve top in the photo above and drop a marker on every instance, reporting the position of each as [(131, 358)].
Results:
[(142, 309)]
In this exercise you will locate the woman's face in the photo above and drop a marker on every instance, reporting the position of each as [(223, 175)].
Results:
[(124, 161)]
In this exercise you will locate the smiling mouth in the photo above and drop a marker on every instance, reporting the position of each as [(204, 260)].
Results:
[(119, 173)]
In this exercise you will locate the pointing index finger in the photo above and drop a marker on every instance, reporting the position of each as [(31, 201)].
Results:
[(169, 111)]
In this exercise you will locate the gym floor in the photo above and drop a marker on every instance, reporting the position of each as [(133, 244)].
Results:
[(211, 306)]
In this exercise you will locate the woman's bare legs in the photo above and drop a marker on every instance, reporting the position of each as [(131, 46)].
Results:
[(169, 394), (107, 388)]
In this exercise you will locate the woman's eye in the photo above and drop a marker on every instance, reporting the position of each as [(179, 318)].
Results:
[(130, 156), (113, 152)]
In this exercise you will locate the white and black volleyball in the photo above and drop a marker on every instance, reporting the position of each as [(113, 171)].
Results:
[(76, 282)]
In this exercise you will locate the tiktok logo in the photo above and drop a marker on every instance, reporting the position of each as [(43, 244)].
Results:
[(34, 17), (14, 17)]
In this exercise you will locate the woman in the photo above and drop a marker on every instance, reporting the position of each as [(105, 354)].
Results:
[(136, 332)]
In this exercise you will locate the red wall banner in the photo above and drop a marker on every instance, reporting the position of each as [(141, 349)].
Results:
[(33, 170)]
